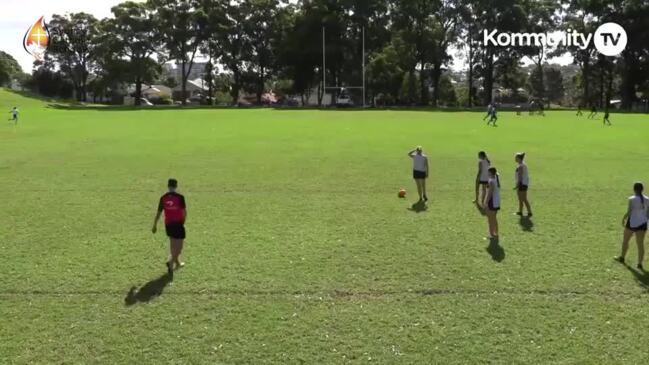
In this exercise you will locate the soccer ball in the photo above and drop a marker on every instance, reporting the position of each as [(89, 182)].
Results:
[(402, 193)]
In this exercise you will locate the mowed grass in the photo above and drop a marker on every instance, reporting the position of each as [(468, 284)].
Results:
[(299, 250)]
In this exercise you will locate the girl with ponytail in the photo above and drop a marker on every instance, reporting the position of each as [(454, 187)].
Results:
[(635, 223)]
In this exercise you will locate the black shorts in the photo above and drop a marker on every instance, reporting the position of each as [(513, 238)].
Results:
[(484, 182), (419, 174), (175, 230), (641, 228), (490, 206), (522, 187)]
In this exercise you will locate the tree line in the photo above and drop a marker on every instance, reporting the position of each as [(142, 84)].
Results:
[(256, 45)]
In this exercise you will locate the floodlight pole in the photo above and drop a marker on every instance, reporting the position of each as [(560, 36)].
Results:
[(363, 67), (324, 60)]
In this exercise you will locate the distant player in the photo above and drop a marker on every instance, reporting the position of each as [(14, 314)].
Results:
[(175, 211), (493, 116), (541, 109), (635, 223), (489, 110), (579, 112), (420, 171), (482, 179), (522, 184), (14, 115), (606, 120), (593, 112), (493, 202)]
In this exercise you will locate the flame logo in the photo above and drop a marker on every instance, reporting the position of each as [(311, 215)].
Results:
[(37, 39)]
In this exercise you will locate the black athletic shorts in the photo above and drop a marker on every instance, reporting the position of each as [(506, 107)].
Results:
[(484, 182), (640, 228), (522, 187), (490, 206), (419, 174), (175, 230)]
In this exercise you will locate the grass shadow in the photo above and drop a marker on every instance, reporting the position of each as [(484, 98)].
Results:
[(496, 251), (641, 277), (148, 291), (526, 224), (418, 207)]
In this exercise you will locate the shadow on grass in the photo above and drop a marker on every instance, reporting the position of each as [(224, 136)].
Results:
[(640, 276), (496, 251), (148, 291), (526, 224), (418, 207)]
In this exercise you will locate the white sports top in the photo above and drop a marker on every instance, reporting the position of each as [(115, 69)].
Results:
[(484, 170), (419, 162), (495, 195), (638, 210), (525, 176)]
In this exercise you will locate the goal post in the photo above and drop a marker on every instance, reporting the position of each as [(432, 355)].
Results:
[(343, 87)]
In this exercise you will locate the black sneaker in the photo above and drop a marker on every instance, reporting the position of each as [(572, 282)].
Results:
[(529, 215), (619, 259), (519, 213), (425, 198), (640, 267), (170, 268)]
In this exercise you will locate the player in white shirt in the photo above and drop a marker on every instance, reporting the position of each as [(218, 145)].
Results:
[(14, 115), (420, 171), (482, 178), (493, 202), (635, 223), (522, 184)]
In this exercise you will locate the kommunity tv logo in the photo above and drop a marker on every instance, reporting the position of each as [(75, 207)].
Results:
[(610, 39)]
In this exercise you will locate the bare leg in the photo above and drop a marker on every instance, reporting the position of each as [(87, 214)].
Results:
[(484, 195), (625, 243), (639, 238), (419, 189), (423, 188), (176, 249), (527, 203), (520, 201)]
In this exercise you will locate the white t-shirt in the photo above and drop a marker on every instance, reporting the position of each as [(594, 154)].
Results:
[(638, 210), (14, 112), (495, 195), (484, 165), (419, 162), (524, 178)]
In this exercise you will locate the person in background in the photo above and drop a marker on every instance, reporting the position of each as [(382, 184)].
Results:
[(522, 184), (14, 115), (635, 223), (175, 212), (420, 171)]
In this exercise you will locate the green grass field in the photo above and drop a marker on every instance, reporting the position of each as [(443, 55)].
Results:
[(299, 250)]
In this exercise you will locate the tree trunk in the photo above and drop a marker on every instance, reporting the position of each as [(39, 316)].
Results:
[(585, 81), (437, 74), (138, 92), (183, 87), (470, 77), (489, 78), (628, 84), (423, 90)]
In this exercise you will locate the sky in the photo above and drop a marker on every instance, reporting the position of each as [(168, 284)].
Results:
[(19, 15)]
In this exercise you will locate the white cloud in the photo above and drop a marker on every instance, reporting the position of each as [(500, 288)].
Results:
[(18, 15)]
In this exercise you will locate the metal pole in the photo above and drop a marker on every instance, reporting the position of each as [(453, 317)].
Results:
[(363, 67), (324, 60)]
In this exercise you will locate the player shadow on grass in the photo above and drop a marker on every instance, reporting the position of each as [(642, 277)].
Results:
[(418, 207), (526, 224), (640, 276), (496, 251), (148, 291)]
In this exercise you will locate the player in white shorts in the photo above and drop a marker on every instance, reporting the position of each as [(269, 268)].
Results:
[(482, 178), (522, 184), (493, 202), (420, 171), (635, 223)]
